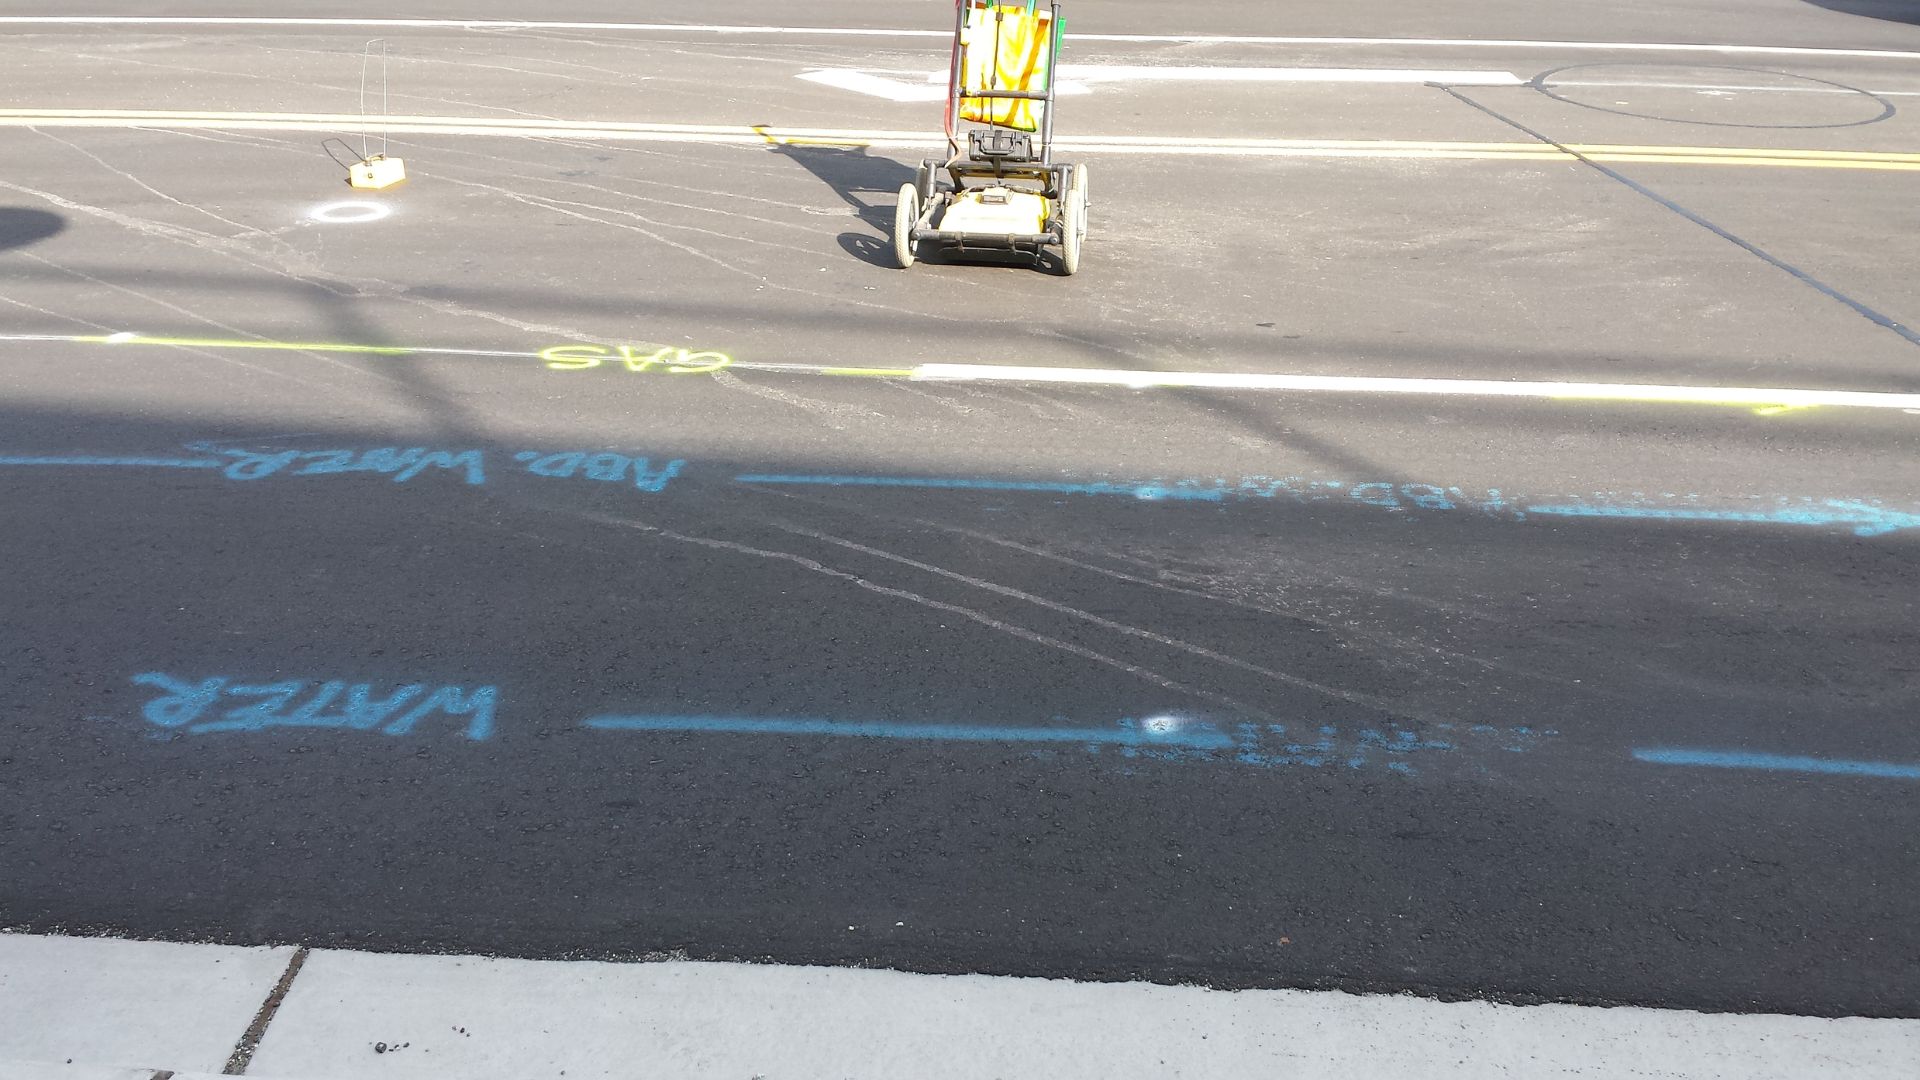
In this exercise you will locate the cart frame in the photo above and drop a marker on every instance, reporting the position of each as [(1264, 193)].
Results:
[(993, 156)]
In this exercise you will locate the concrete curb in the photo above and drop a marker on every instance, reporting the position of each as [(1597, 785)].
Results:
[(101, 1009)]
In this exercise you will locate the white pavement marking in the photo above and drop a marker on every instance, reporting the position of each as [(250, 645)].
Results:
[(861, 31), (1763, 397), (886, 89), (479, 1018), (129, 1003), (1098, 73), (1076, 78), (1637, 392), (351, 212)]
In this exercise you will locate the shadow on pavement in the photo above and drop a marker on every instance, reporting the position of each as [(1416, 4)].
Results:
[(20, 226), (1225, 347), (1906, 11), (1567, 873), (866, 183), (853, 173)]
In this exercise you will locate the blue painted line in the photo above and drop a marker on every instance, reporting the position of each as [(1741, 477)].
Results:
[(1147, 492), (1731, 759), (1789, 517), (1196, 737), (1867, 519), (132, 462)]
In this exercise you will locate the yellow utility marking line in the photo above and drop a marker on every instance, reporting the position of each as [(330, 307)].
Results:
[(223, 343), (1781, 163), (1532, 151), (774, 139), (765, 135), (1733, 151)]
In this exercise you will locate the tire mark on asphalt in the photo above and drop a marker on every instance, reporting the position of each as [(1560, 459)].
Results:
[(827, 408), (1197, 591), (198, 317), (1871, 315), (246, 256), (1228, 601), (622, 81), (1020, 632), (1352, 697), (558, 206), (304, 84), (722, 211), (245, 230)]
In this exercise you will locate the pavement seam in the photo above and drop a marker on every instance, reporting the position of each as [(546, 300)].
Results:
[(1872, 316), (242, 1055)]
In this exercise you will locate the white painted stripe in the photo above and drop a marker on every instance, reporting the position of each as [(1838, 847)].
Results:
[(460, 24), (473, 1016), (1074, 78), (879, 86), (852, 31), (1351, 384), (1743, 396), (1098, 73)]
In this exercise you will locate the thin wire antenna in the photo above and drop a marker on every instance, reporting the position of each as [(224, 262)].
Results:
[(386, 109), (366, 61)]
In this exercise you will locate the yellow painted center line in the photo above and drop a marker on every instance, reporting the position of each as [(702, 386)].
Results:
[(764, 135)]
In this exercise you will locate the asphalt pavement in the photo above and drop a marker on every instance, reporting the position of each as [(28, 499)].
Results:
[(1455, 534)]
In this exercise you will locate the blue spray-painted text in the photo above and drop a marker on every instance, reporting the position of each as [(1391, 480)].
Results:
[(607, 468), (202, 706), (400, 463)]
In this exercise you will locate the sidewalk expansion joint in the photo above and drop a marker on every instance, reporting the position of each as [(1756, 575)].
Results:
[(242, 1054)]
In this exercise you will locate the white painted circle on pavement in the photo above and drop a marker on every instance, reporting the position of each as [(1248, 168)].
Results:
[(350, 212)]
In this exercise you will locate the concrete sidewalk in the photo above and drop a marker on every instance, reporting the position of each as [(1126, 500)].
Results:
[(104, 1009)]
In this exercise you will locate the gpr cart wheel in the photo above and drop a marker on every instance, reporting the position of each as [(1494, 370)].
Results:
[(905, 216), (1073, 220), (1079, 183)]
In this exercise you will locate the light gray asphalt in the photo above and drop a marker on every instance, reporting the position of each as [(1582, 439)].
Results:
[(1550, 698)]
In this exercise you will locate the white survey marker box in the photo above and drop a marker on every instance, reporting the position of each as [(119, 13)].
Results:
[(377, 172)]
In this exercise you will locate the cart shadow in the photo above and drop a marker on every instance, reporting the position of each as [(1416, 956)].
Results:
[(870, 186), (866, 183), (868, 249)]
